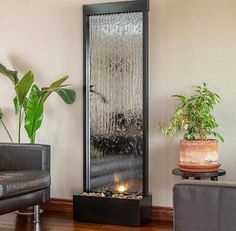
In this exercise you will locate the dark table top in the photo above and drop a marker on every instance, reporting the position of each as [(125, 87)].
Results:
[(178, 172)]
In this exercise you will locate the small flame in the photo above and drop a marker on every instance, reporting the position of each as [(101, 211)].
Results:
[(121, 188)]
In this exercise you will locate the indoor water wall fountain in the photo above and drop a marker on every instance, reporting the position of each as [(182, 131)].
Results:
[(115, 115)]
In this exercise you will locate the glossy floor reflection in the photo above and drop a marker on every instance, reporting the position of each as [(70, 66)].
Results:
[(64, 222)]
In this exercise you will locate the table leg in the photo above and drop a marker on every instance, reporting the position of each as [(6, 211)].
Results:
[(214, 178)]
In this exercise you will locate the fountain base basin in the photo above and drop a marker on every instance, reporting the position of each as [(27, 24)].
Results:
[(114, 211)]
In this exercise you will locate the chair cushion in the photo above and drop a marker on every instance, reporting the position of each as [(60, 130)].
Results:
[(13, 183)]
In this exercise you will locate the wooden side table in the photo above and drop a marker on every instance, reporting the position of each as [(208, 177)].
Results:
[(198, 176)]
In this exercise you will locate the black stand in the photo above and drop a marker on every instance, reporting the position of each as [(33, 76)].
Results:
[(198, 176)]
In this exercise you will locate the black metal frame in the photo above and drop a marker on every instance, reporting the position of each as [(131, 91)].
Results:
[(109, 8)]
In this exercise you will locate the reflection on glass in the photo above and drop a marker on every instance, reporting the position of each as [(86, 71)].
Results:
[(116, 117)]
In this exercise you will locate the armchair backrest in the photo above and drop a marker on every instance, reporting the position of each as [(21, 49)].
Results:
[(15, 157)]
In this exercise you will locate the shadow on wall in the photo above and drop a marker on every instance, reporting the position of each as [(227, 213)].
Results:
[(164, 156), (166, 146), (23, 65), (19, 63), (163, 151), (163, 108)]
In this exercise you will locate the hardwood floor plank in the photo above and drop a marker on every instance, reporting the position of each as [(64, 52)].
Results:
[(51, 221), (159, 213)]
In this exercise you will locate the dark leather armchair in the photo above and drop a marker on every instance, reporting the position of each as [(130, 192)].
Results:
[(24, 177), (204, 206)]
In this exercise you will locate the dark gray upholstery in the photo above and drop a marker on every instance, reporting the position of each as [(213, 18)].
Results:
[(15, 157), (24, 175), (204, 206), (14, 183)]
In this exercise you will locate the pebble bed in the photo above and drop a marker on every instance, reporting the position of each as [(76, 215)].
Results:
[(110, 194)]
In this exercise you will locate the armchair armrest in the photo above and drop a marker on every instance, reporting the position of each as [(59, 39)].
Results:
[(15, 157)]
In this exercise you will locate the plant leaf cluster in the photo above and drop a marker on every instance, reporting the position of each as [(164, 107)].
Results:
[(30, 98), (194, 115)]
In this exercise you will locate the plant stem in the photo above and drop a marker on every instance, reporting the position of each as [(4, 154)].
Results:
[(33, 138), (19, 127), (8, 133)]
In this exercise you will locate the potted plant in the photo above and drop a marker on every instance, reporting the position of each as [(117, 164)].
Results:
[(198, 151)]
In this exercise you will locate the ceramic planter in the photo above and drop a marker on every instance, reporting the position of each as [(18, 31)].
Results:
[(198, 155)]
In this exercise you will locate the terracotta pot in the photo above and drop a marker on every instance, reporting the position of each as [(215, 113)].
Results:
[(198, 155)]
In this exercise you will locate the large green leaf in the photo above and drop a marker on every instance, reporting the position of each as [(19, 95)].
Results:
[(33, 112), (12, 75), (58, 82), (67, 95), (23, 86), (16, 105), (48, 90)]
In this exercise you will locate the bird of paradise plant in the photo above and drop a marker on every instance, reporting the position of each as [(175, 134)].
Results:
[(30, 98)]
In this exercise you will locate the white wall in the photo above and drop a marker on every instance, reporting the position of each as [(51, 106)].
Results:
[(190, 42)]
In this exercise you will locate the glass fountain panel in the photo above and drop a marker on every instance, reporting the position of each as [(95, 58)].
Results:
[(116, 102)]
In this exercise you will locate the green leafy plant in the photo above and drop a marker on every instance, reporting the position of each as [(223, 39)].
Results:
[(30, 98), (194, 116)]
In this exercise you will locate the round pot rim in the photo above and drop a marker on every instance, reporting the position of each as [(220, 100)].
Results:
[(208, 140)]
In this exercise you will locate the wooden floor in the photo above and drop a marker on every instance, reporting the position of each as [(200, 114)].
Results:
[(64, 222)]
